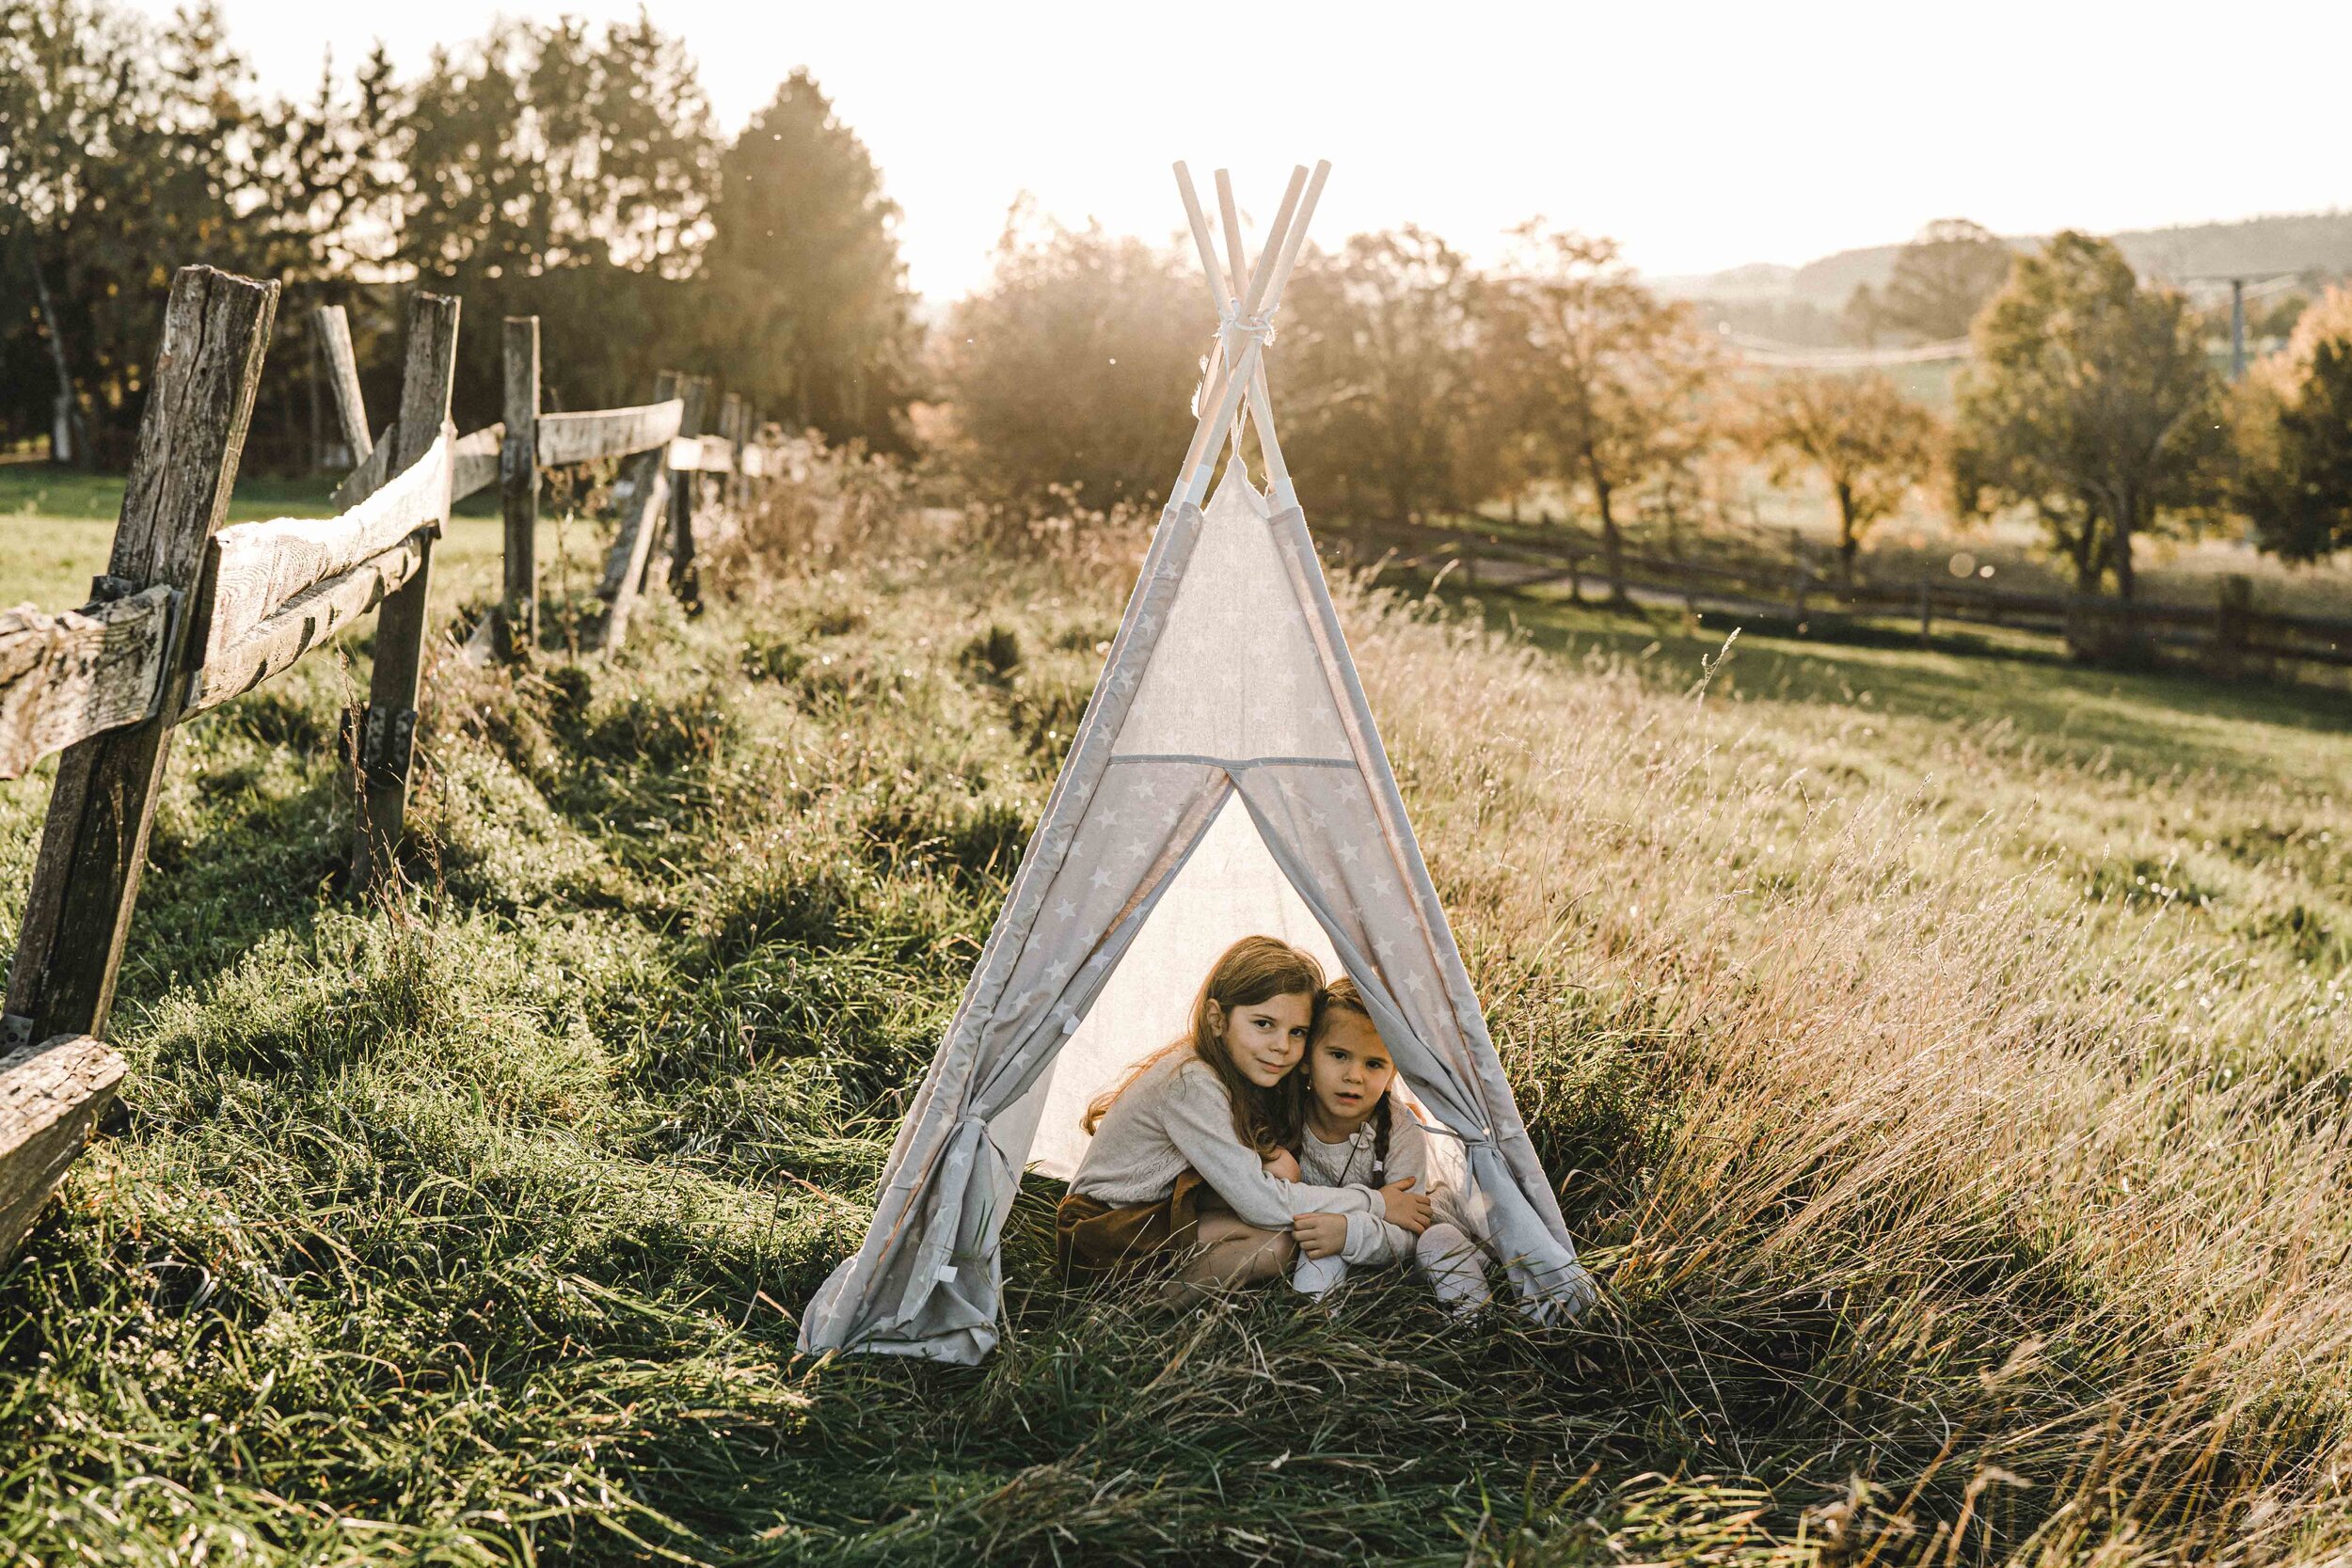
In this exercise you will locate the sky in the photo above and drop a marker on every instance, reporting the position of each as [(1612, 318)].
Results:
[(1700, 136)]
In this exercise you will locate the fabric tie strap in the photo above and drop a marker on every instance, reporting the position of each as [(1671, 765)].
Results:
[(1234, 329)]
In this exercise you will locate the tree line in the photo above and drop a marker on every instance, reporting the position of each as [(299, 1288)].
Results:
[(557, 168), (574, 171), (1412, 385)]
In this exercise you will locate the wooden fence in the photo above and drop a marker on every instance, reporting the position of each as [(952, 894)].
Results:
[(190, 614), (2230, 635)]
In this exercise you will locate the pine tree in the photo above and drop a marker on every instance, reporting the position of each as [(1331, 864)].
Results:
[(805, 292)]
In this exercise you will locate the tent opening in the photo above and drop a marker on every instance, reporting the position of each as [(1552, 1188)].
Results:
[(1229, 889)]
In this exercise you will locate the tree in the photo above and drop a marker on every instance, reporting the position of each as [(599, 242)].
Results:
[(2291, 419), (804, 280), (1858, 432), (564, 173), (1377, 377), (1604, 380), (2090, 401), (127, 149), (1941, 280), (1067, 374)]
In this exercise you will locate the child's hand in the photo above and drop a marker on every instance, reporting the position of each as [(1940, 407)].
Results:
[(1283, 1166), (1320, 1235), (1407, 1211)]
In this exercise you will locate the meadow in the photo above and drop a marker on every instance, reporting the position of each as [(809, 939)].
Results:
[(1942, 1060)]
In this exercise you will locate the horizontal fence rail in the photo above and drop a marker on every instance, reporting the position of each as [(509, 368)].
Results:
[(2232, 634), (65, 678), (607, 433)]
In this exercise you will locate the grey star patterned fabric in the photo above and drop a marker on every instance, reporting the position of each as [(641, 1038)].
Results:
[(1226, 781)]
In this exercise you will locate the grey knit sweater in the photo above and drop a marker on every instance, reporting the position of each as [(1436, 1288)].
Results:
[(1371, 1238)]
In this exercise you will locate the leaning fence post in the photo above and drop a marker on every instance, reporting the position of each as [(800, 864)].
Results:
[(519, 490), (648, 510), (342, 379), (685, 582), (93, 844), (386, 731)]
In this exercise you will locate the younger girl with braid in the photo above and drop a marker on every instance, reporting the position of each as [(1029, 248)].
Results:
[(1355, 1136)]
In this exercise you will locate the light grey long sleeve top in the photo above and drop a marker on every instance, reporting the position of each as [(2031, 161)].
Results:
[(1176, 1114), (1372, 1239)]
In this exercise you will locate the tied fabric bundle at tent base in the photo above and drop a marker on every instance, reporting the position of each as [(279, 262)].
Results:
[(1226, 780)]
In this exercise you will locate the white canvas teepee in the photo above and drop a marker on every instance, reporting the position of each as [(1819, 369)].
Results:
[(1226, 780)]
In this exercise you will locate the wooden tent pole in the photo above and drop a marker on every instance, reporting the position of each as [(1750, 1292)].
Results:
[(1239, 264), (1211, 274), (1261, 404), (1192, 483), (1279, 487), (1226, 388)]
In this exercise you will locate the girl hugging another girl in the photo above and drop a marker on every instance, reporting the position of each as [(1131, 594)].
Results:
[(1191, 1159)]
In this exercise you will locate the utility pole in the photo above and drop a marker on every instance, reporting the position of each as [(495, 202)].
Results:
[(2238, 282), (2237, 328)]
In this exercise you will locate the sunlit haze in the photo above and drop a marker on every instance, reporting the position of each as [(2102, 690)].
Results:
[(1701, 136)]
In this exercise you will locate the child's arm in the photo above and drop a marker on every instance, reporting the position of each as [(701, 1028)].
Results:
[(1372, 1240), (1198, 1120)]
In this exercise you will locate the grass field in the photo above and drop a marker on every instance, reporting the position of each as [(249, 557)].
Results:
[(1942, 1059)]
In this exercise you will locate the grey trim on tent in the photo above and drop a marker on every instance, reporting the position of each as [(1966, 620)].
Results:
[(1232, 765)]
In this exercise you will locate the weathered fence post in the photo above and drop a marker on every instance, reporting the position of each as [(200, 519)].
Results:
[(1925, 614), (386, 731), (648, 509), (731, 427), (342, 380), (2233, 625), (93, 845), (518, 491), (684, 580)]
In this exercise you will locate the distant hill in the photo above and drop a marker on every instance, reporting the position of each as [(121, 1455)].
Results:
[(2308, 242)]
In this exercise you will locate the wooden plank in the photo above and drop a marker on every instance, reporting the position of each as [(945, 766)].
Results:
[(65, 678), (642, 523), (342, 379), (262, 566), (387, 726), (515, 622), (368, 478), (473, 461), (605, 433), (309, 619), (625, 574), (50, 1097), (93, 847), (701, 454)]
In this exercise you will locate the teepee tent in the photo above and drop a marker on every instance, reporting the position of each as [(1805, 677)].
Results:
[(1226, 780)]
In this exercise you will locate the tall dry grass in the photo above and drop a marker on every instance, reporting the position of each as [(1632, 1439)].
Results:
[(2061, 1176), (1944, 1068)]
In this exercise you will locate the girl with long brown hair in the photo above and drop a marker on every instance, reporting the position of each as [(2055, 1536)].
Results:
[(1188, 1163)]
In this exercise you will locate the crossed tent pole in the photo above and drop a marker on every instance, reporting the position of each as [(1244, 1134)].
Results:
[(1236, 368)]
